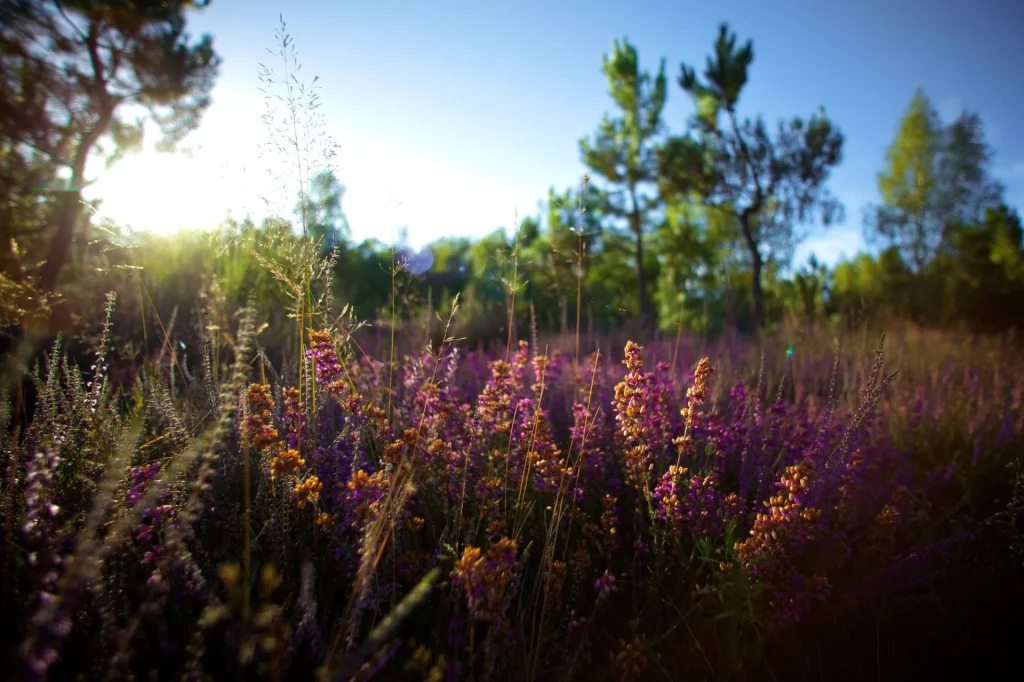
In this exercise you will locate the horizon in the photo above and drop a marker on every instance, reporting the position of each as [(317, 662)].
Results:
[(455, 123)]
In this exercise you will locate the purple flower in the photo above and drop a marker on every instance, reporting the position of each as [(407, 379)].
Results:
[(605, 585)]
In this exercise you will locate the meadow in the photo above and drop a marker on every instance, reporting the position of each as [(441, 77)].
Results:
[(376, 507), (267, 452)]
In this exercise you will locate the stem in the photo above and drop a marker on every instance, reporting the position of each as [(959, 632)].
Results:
[(391, 361), (247, 539)]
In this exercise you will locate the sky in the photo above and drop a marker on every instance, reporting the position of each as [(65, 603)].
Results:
[(456, 117)]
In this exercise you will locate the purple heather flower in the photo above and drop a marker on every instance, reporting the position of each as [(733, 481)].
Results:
[(605, 585)]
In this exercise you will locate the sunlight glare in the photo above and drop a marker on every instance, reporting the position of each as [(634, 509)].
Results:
[(162, 193)]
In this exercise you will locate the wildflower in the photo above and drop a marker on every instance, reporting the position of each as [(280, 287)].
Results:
[(575, 623), (40, 514), (667, 494), (406, 445), (694, 504), (631, 659), (307, 492), (555, 582), (610, 520), (519, 362), (365, 492), (697, 393), (605, 585), (141, 475), (285, 462), (325, 520), (880, 539), (541, 363), (641, 412), (486, 578), (778, 539), (325, 361), (420, 660), (494, 406), (695, 396), (257, 429), (629, 394), (294, 417)]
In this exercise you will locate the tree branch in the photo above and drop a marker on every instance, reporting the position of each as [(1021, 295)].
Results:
[(60, 8), (758, 197)]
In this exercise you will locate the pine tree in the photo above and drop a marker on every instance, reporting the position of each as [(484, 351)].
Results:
[(85, 63), (769, 183), (623, 152)]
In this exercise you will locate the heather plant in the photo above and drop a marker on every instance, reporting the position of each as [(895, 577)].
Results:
[(297, 497), (501, 519)]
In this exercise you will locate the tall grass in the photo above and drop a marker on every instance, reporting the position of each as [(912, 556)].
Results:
[(349, 508)]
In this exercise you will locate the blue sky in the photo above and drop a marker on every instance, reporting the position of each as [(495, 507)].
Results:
[(455, 116)]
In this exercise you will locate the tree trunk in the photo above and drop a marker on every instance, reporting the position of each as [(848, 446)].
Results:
[(756, 265), (641, 280), (69, 204), (67, 216), (730, 308), (756, 293), (636, 224)]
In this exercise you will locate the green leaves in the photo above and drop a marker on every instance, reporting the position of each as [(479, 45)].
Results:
[(75, 64), (769, 183), (935, 176), (623, 151), (725, 74)]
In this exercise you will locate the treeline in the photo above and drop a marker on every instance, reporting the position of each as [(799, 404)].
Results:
[(692, 230)]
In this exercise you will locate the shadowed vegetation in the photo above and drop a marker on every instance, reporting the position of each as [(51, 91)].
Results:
[(624, 440)]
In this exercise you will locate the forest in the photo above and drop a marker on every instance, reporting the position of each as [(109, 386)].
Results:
[(626, 437)]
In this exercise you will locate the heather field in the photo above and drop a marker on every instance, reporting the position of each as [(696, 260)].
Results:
[(680, 510), (632, 436)]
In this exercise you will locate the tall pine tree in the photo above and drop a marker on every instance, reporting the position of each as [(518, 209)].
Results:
[(769, 182), (623, 152)]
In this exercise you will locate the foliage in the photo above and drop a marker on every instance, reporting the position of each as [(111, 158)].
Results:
[(571, 267), (227, 475), (768, 183), (78, 68), (493, 518), (936, 177), (623, 152)]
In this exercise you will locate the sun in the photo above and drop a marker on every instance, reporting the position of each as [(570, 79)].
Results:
[(162, 193)]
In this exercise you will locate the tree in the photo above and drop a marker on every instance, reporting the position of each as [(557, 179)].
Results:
[(906, 216), (768, 183), (935, 177), (623, 151), (85, 64), (982, 273), (449, 276), (810, 283), (556, 260), (967, 190), (687, 254), (324, 216), (869, 289)]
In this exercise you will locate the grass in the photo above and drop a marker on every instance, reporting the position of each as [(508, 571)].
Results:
[(300, 496), (503, 519)]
